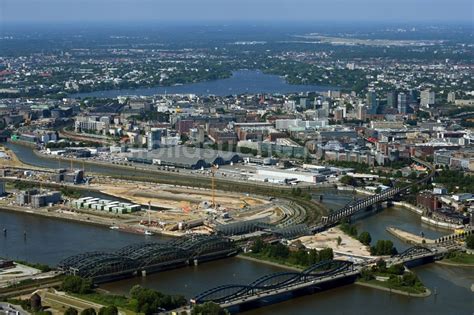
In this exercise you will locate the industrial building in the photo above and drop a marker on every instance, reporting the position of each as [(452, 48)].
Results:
[(73, 177), (185, 157), (288, 176), (38, 199), (105, 205)]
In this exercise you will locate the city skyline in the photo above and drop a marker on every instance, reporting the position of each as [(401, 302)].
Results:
[(235, 11)]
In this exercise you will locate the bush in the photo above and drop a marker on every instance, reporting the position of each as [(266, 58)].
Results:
[(88, 311), (383, 247), (76, 284), (71, 311), (108, 310), (149, 301), (365, 238), (397, 269), (208, 308), (349, 229), (470, 242), (366, 274)]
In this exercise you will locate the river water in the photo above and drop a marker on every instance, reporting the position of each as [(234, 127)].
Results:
[(241, 82), (50, 240)]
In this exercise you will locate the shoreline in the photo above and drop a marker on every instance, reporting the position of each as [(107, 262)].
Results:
[(75, 219), (377, 287), (454, 264), (408, 237)]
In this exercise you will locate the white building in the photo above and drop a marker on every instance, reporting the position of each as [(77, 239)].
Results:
[(427, 98)]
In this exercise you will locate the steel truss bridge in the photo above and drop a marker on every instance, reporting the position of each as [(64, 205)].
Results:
[(239, 228), (284, 282), (148, 257), (276, 283), (292, 230), (337, 216)]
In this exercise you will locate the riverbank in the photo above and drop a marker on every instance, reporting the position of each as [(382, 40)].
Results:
[(408, 237), (86, 218), (379, 285), (440, 224), (458, 259), (267, 262)]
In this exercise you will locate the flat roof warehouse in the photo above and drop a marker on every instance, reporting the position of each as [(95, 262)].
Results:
[(185, 157)]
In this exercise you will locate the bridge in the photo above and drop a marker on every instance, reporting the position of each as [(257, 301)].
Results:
[(310, 279), (277, 283), (352, 208), (148, 257)]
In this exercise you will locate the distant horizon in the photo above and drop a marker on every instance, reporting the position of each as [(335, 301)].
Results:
[(232, 11)]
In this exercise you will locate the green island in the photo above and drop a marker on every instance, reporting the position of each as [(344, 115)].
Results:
[(395, 278), (298, 258)]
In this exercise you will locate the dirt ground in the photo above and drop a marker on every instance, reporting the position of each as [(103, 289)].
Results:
[(348, 246)]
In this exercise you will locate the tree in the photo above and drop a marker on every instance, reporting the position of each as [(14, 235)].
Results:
[(258, 245), (76, 284), (381, 265), (88, 311), (108, 310), (470, 241), (366, 274), (348, 180), (326, 254), (397, 269), (383, 247), (365, 238), (71, 311), (339, 240), (208, 308)]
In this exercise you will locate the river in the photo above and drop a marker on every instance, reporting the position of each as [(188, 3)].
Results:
[(241, 82), (49, 240)]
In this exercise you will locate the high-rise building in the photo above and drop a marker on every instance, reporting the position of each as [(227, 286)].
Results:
[(362, 112), (154, 138), (372, 103), (427, 98), (392, 99), (451, 97), (402, 103)]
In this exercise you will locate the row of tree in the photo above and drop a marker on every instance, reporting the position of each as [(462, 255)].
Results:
[(300, 257)]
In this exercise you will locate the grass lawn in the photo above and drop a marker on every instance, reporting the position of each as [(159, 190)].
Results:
[(461, 258), (274, 260), (390, 285), (119, 301)]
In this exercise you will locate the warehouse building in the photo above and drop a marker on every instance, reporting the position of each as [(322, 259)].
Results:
[(287, 176), (185, 157)]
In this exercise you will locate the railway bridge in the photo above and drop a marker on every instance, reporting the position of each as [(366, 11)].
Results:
[(143, 258), (279, 286), (347, 211)]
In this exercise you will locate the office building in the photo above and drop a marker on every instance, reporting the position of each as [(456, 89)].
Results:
[(402, 101), (154, 138), (427, 98), (372, 103), (392, 99)]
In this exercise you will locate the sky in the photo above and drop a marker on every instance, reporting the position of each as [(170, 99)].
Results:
[(52, 11)]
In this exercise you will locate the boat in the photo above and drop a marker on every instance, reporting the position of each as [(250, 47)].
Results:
[(114, 227), (148, 232)]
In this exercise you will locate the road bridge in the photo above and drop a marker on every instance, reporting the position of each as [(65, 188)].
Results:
[(314, 277)]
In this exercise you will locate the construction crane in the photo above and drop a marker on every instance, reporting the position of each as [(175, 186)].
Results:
[(213, 184)]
